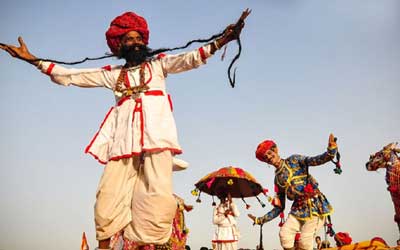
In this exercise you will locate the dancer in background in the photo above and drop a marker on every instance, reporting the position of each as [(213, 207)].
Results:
[(224, 217), (292, 179)]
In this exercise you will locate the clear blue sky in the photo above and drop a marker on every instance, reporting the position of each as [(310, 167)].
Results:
[(308, 68)]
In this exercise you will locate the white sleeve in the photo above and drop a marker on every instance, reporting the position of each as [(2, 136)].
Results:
[(86, 78), (185, 61), (218, 217), (235, 210)]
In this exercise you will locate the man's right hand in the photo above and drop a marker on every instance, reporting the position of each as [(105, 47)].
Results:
[(229, 197), (20, 52), (228, 212), (252, 217)]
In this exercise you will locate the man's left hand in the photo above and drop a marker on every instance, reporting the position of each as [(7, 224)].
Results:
[(232, 32), (252, 217)]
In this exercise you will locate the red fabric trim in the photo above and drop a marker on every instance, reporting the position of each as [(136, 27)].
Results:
[(150, 92), (138, 108), (161, 55), (50, 68), (133, 119), (107, 67), (119, 157), (154, 92), (94, 138), (152, 150), (97, 158), (151, 74), (116, 158), (223, 241), (170, 103), (202, 54), (127, 83), (122, 100), (141, 126)]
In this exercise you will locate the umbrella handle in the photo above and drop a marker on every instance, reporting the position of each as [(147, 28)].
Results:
[(260, 246)]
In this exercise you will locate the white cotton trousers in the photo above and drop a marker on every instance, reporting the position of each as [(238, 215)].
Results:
[(136, 198), (307, 229)]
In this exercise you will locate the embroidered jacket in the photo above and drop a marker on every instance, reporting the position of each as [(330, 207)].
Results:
[(293, 180)]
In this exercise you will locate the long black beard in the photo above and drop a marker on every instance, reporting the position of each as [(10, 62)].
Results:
[(135, 54)]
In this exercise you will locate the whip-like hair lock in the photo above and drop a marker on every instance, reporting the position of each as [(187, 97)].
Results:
[(236, 29), (108, 55)]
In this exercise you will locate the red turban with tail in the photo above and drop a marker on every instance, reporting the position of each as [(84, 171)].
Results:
[(263, 147), (123, 24), (342, 239)]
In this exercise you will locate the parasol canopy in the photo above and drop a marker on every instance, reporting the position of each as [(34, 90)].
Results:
[(233, 180)]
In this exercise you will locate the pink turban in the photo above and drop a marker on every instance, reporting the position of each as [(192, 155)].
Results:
[(262, 148), (123, 24)]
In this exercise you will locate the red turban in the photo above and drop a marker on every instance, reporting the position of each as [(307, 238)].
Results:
[(342, 239), (262, 148), (123, 24)]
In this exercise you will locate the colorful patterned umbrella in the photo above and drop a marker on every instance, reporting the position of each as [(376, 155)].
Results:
[(233, 180)]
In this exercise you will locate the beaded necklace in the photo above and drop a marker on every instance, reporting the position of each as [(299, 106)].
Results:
[(121, 91)]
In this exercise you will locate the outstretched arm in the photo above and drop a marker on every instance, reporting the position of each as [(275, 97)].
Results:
[(186, 61), (278, 208), (322, 158), (20, 52), (79, 77)]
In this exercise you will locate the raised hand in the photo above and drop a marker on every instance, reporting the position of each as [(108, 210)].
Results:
[(188, 208), (228, 212), (332, 141), (229, 197), (20, 52), (233, 31)]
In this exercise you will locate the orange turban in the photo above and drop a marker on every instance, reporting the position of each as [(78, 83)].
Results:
[(262, 148), (123, 24)]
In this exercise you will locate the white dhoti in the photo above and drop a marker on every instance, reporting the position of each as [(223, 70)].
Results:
[(226, 246), (136, 198), (228, 239), (307, 230)]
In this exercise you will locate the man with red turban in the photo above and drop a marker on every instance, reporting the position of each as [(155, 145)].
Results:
[(342, 238), (123, 24), (137, 139), (292, 179)]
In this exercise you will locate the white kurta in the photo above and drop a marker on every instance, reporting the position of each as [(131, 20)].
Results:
[(227, 233), (139, 124)]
